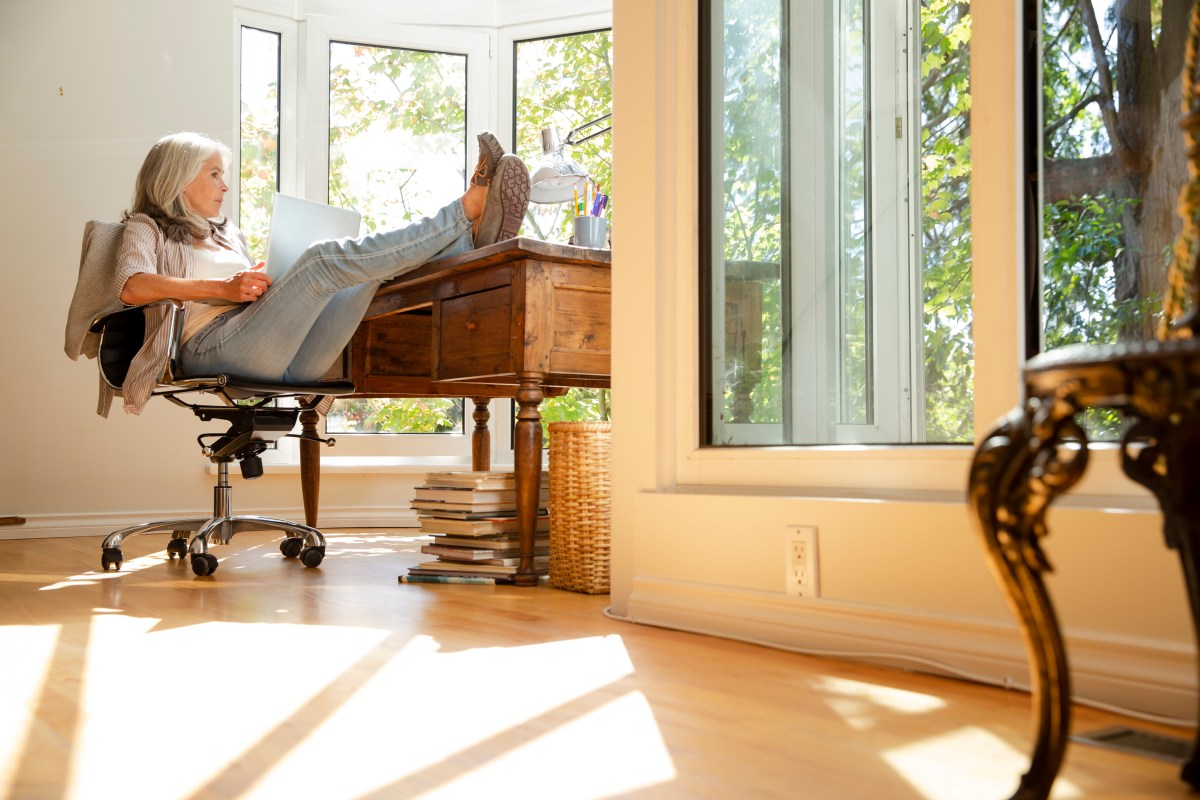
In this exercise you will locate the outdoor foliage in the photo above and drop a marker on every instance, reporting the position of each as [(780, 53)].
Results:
[(1113, 168), (386, 415), (945, 157), (259, 139)]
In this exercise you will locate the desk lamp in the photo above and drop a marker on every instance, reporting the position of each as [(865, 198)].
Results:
[(557, 177)]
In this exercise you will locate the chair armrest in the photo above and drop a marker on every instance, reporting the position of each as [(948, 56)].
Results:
[(123, 332)]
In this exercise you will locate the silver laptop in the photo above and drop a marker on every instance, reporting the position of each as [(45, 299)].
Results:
[(296, 223)]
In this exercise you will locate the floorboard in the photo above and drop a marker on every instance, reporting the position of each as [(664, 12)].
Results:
[(271, 680)]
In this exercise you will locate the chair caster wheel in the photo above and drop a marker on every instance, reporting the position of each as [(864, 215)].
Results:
[(113, 556), (204, 564), (291, 547), (177, 548), (312, 556)]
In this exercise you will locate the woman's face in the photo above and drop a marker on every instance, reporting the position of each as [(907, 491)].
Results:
[(206, 192)]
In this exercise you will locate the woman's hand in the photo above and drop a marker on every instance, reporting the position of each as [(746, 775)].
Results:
[(247, 285)]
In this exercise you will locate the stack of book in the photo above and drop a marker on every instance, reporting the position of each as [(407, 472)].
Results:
[(472, 518)]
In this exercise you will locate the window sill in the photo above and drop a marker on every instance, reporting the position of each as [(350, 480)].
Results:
[(374, 465), (903, 473)]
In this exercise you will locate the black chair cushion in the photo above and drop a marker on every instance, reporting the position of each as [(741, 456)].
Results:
[(123, 332)]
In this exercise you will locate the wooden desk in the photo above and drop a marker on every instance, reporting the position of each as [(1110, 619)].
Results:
[(520, 318)]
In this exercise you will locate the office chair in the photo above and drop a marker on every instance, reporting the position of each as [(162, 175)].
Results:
[(255, 421)]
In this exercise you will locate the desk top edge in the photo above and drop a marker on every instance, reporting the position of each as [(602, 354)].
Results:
[(510, 250)]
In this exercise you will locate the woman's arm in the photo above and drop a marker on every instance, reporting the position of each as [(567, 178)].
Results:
[(148, 287), (138, 281)]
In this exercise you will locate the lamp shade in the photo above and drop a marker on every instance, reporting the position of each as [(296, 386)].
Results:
[(556, 178)]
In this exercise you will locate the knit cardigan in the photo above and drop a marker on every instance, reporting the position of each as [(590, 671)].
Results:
[(112, 253)]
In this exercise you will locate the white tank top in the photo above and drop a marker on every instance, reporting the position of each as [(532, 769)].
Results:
[(211, 262)]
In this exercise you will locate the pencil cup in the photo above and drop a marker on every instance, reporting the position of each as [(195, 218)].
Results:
[(590, 231)]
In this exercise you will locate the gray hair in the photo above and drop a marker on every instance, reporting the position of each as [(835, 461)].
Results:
[(172, 163)]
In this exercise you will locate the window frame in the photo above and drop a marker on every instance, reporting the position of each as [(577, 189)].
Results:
[(289, 35), (812, 218), (857, 473)]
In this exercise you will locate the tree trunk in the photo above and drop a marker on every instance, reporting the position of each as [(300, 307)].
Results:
[(1159, 221)]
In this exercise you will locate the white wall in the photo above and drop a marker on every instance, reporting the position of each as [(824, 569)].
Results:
[(83, 102), (86, 89), (698, 534)]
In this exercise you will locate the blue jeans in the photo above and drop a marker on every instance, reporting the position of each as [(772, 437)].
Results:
[(300, 325)]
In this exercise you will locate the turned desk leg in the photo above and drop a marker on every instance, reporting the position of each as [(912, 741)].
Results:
[(1016, 473), (527, 457), (481, 438), (310, 465)]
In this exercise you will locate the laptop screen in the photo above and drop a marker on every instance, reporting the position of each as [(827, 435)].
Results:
[(297, 223)]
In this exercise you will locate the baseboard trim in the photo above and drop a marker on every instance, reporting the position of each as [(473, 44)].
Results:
[(49, 526), (1143, 676)]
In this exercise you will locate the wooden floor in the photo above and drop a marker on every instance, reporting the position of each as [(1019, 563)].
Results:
[(271, 680)]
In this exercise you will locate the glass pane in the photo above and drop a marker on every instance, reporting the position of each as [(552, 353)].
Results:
[(565, 82), (1113, 166), (752, 162), (948, 380), (397, 131), (391, 415), (397, 152), (259, 150), (839, 258), (854, 117)]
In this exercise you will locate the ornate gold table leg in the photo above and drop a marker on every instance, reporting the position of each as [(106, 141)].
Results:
[(527, 457), (1017, 472), (1163, 454)]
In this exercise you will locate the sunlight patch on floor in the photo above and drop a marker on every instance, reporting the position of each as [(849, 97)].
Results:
[(954, 765), (860, 704), (612, 750), (196, 681), (23, 679), (97, 575), (539, 696)]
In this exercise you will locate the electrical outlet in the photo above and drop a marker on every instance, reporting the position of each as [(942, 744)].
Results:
[(800, 560)]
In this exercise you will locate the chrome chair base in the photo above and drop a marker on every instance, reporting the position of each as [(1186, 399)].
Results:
[(194, 535)]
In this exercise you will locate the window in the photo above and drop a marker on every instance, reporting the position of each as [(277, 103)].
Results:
[(837, 285), (1112, 166), (397, 152), (391, 132), (259, 150)]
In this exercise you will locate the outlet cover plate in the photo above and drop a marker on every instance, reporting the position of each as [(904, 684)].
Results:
[(800, 561)]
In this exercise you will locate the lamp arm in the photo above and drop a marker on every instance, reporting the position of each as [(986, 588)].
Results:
[(572, 141)]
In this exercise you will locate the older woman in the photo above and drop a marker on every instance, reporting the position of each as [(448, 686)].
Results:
[(177, 245)]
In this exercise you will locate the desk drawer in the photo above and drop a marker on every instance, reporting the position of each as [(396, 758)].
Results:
[(473, 335)]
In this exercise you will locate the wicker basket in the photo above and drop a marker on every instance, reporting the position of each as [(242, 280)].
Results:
[(580, 506)]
